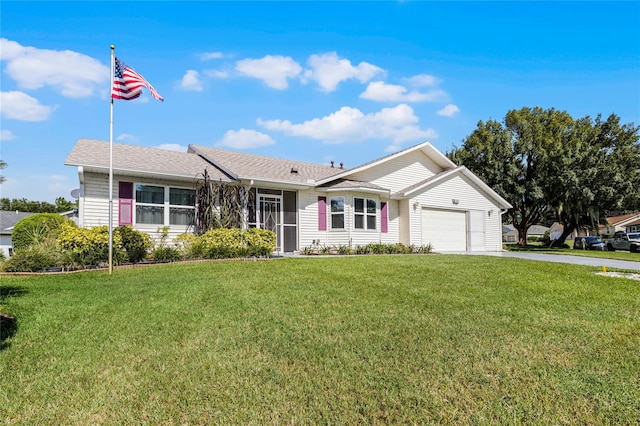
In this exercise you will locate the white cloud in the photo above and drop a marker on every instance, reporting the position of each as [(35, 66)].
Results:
[(328, 70), (399, 124), (448, 110), (191, 81), (423, 80), (73, 74), (211, 55), (126, 137), (245, 139), (383, 92), (216, 73), (6, 135), (173, 147), (20, 106), (273, 70)]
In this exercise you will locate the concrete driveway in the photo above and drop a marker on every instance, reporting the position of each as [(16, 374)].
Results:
[(563, 258)]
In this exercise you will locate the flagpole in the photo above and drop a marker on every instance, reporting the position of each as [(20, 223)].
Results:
[(111, 163)]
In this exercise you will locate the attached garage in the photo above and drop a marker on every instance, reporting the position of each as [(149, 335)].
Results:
[(445, 230)]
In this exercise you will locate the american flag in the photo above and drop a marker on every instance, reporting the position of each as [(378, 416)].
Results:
[(128, 84)]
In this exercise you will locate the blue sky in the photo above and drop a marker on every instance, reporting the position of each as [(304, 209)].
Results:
[(310, 81)]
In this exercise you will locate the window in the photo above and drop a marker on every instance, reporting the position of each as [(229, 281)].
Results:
[(337, 213), (181, 206), (364, 213), (150, 204), (160, 205)]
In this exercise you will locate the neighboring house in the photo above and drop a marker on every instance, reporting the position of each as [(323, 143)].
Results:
[(509, 234), (71, 215), (556, 229), (537, 231), (8, 220), (633, 226), (619, 223), (415, 196)]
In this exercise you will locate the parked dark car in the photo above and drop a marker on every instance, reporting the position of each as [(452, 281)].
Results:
[(589, 243)]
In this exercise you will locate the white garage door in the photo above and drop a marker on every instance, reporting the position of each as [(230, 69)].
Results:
[(446, 230)]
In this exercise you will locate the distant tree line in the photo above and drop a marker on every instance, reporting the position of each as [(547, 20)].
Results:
[(24, 205), (554, 168)]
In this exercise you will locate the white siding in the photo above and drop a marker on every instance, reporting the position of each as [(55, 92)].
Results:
[(392, 235), (404, 219), (94, 205), (400, 172), (468, 198), (308, 204), (5, 244)]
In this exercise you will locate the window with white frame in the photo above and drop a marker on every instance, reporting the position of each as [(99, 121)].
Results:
[(162, 205), (337, 212), (364, 213), (182, 206)]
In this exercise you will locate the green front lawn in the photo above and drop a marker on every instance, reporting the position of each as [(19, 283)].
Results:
[(338, 340)]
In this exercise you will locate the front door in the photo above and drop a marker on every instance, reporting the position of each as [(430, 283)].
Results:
[(270, 216)]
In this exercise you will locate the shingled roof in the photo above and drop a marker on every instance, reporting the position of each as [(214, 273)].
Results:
[(251, 166), (93, 155), (9, 219)]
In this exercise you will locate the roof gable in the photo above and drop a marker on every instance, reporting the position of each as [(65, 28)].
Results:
[(622, 219), (426, 148), (461, 170)]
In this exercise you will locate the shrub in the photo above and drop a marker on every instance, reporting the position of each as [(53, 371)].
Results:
[(165, 254), (2, 256), (90, 246), (36, 228), (36, 258), (222, 243), (189, 246), (135, 243), (259, 242)]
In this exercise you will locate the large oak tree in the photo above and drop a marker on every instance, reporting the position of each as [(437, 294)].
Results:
[(548, 165)]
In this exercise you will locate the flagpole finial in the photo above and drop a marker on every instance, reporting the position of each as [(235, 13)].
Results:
[(112, 47)]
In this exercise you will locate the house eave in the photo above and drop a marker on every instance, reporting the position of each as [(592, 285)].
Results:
[(356, 189), (136, 173), (274, 182)]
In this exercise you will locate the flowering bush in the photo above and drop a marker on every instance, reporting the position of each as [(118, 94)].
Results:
[(90, 246)]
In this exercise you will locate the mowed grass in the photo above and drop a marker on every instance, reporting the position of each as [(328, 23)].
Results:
[(339, 340), (616, 255)]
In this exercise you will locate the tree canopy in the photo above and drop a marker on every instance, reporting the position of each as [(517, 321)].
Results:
[(24, 205), (551, 166)]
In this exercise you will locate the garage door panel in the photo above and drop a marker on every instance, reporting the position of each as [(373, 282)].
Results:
[(446, 230)]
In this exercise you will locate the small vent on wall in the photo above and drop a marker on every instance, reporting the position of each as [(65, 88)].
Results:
[(455, 201)]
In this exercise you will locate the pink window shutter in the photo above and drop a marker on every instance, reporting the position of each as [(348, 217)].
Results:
[(322, 213), (384, 218), (125, 203)]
